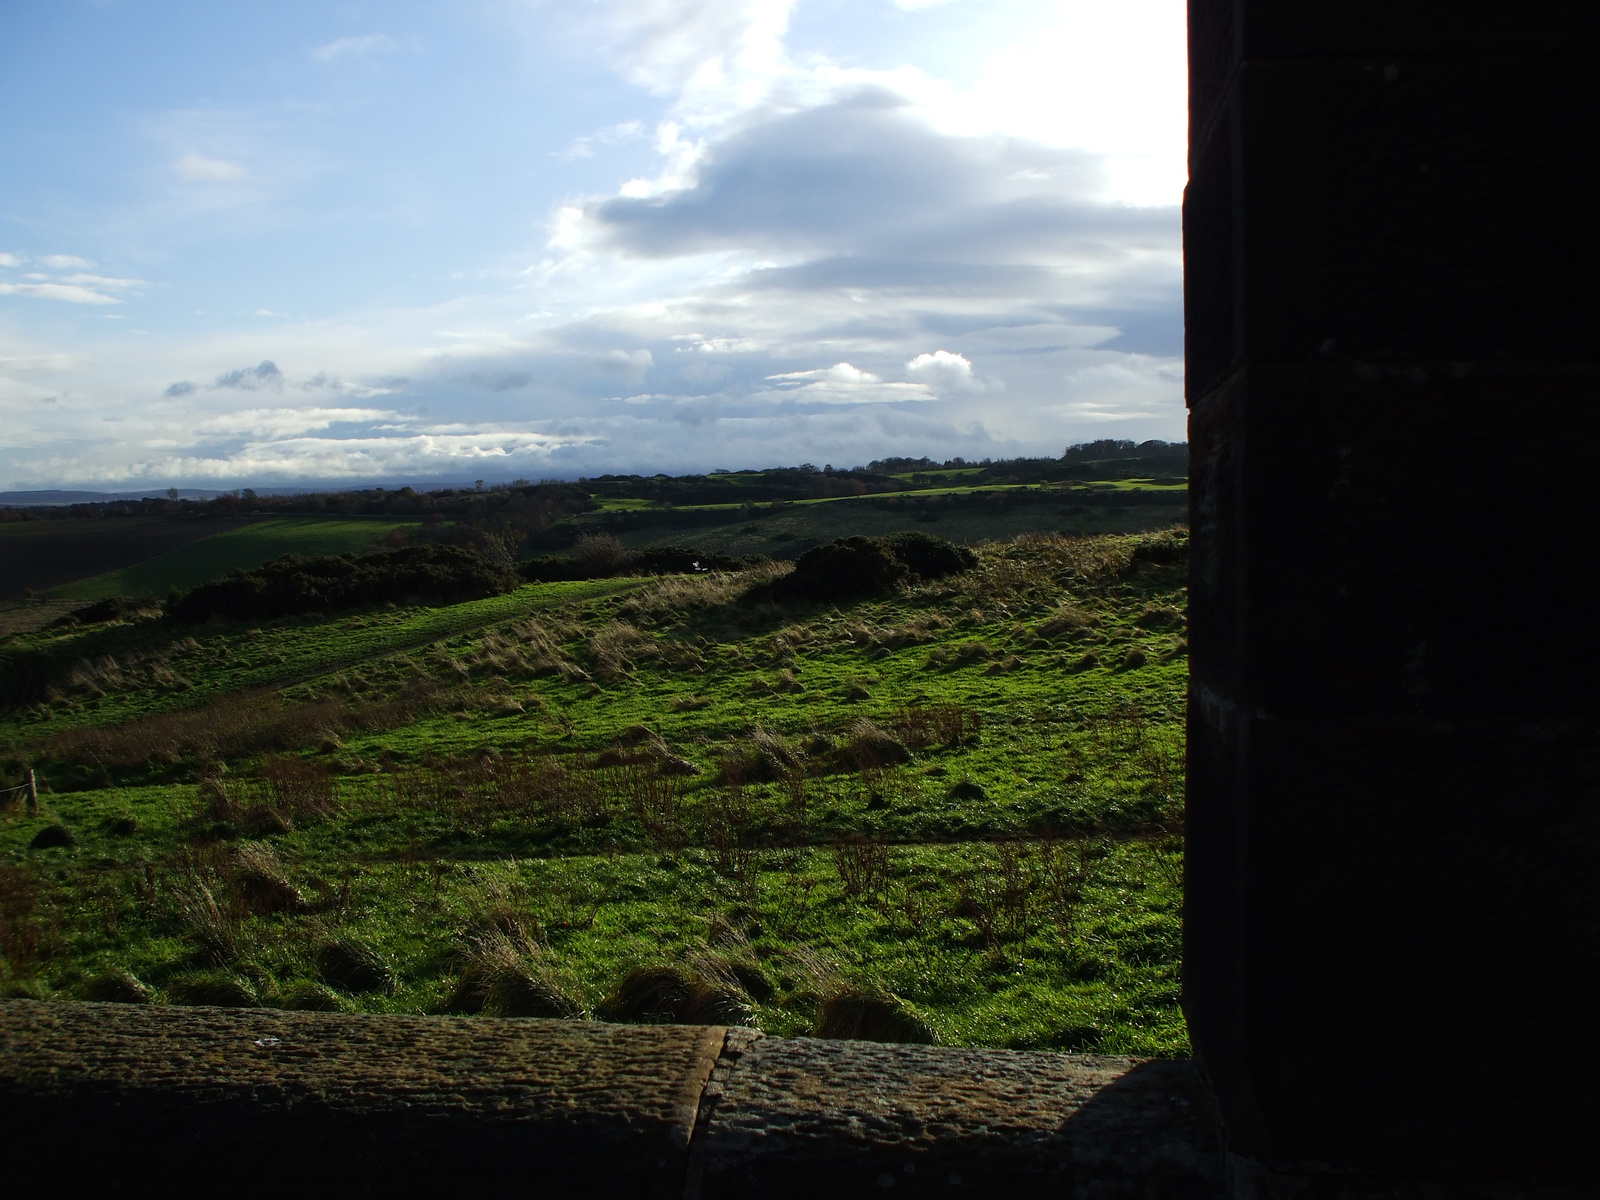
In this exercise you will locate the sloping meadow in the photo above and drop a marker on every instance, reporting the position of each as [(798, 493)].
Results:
[(951, 810)]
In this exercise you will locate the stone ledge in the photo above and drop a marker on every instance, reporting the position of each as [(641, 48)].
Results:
[(261, 1102)]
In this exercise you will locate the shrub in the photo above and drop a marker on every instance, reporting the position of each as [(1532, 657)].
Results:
[(598, 555), (352, 965), (296, 584), (870, 1015), (928, 556), (842, 570)]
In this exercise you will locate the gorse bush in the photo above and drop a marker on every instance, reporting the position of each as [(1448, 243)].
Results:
[(863, 566), (295, 584), (930, 557)]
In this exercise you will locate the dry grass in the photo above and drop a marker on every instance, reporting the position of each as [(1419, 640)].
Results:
[(858, 1013), (27, 927), (677, 594), (1065, 619), (922, 725), (617, 647), (703, 989), (506, 974), (241, 725), (863, 865)]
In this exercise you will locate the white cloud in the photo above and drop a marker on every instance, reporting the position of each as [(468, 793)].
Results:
[(611, 135), (102, 281), (71, 293), (198, 168), (10, 260), (841, 383), (945, 372), (676, 46), (353, 47), (18, 364), (64, 262), (962, 251), (279, 423)]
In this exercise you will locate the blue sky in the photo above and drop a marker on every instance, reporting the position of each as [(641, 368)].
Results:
[(247, 244)]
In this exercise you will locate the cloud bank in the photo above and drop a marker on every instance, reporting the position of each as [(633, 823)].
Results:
[(818, 263)]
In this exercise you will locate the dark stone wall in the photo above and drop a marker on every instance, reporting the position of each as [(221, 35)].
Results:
[(1393, 324), (115, 1098)]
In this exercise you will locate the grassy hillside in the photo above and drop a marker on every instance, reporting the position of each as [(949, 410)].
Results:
[(963, 514), (955, 808), (247, 545), (35, 555)]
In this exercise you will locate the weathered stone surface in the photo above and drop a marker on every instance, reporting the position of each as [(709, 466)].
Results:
[(805, 1117), (274, 1103), (259, 1102)]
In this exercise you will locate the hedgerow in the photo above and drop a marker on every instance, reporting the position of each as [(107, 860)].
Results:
[(429, 574)]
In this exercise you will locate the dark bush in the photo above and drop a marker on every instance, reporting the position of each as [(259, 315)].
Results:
[(295, 584), (863, 566), (599, 556), (842, 570), (928, 556)]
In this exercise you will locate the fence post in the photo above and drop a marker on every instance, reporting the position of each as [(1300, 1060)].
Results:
[(33, 792)]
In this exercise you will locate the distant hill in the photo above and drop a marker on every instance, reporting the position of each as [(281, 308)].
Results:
[(29, 499)]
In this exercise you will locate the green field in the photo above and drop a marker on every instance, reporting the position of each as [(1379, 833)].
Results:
[(794, 528), (961, 800), (248, 546)]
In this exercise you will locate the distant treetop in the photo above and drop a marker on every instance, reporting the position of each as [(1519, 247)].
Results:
[(1109, 448)]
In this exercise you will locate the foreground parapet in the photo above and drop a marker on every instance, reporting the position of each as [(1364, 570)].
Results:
[(258, 1101)]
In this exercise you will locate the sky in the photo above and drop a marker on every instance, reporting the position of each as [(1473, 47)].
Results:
[(334, 243)]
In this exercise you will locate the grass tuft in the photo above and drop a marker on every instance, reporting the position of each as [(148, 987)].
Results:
[(867, 1014), (355, 966)]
